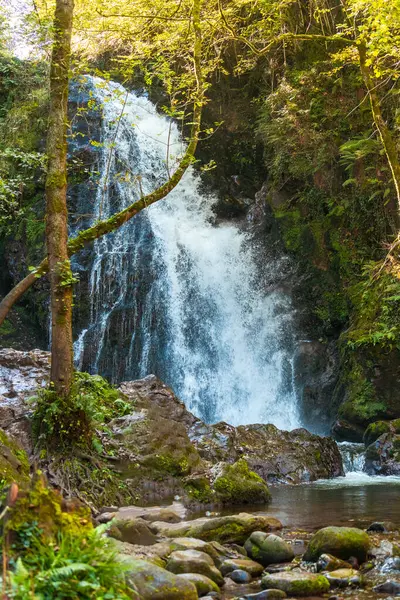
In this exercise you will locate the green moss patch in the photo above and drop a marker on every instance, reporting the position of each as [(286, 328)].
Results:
[(238, 485)]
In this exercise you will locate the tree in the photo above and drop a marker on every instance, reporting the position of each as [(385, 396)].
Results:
[(60, 251), (61, 278), (362, 32)]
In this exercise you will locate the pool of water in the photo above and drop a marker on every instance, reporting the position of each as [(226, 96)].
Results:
[(354, 500)]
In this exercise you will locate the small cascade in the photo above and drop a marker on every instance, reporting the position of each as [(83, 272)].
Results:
[(172, 292), (353, 456)]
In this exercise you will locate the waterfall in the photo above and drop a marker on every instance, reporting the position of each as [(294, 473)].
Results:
[(173, 292), (353, 456)]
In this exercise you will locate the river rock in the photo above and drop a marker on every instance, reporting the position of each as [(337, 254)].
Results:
[(391, 564), (388, 587), (240, 576), (157, 553), (382, 527), (297, 583), (342, 542), (327, 562), (193, 561), (154, 583), (268, 549), (133, 531), (250, 566), (204, 585), (226, 530), (265, 595), (195, 544), (343, 578)]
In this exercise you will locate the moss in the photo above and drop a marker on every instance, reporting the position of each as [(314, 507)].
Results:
[(342, 542), (375, 430), (238, 485), (14, 463), (199, 489), (44, 509), (361, 405)]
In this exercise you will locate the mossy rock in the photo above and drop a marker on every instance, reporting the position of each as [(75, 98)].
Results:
[(375, 430), (342, 542), (14, 463), (297, 583), (151, 582), (268, 549), (133, 531), (242, 564), (186, 543), (232, 529), (238, 485), (194, 561), (204, 585)]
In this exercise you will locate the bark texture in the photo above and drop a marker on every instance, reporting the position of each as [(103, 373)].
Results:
[(56, 203)]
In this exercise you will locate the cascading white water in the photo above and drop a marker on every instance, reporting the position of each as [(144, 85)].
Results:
[(172, 292)]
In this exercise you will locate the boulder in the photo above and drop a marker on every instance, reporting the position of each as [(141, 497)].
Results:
[(151, 582), (133, 531), (375, 430), (195, 544), (327, 562), (156, 554), (193, 561), (240, 576), (344, 578), (268, 549), (382, 457), (342, 542), (250, 566), (236, 484), (226, 530), (297, 583), (204, 585)]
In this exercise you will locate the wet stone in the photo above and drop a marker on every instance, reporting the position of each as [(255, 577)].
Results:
[(240, 576)]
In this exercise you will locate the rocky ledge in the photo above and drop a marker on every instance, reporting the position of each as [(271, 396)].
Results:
[(159, 449)]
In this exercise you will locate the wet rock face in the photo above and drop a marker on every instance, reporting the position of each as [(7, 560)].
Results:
[(382, 457), (21, 373)]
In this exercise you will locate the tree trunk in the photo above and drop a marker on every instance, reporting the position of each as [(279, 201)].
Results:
[(387, 140), (56, 203)]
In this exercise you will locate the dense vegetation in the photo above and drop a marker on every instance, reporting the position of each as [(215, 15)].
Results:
[(307, 94)]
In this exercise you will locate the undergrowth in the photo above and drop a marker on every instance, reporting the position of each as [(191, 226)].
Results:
[(80, 566), (64, 422)]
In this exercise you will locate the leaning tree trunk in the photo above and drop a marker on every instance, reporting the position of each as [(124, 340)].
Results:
[(56, 203)]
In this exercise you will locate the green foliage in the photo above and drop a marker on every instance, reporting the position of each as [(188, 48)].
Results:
[(72, 566), (377, 302), (61, 422)]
